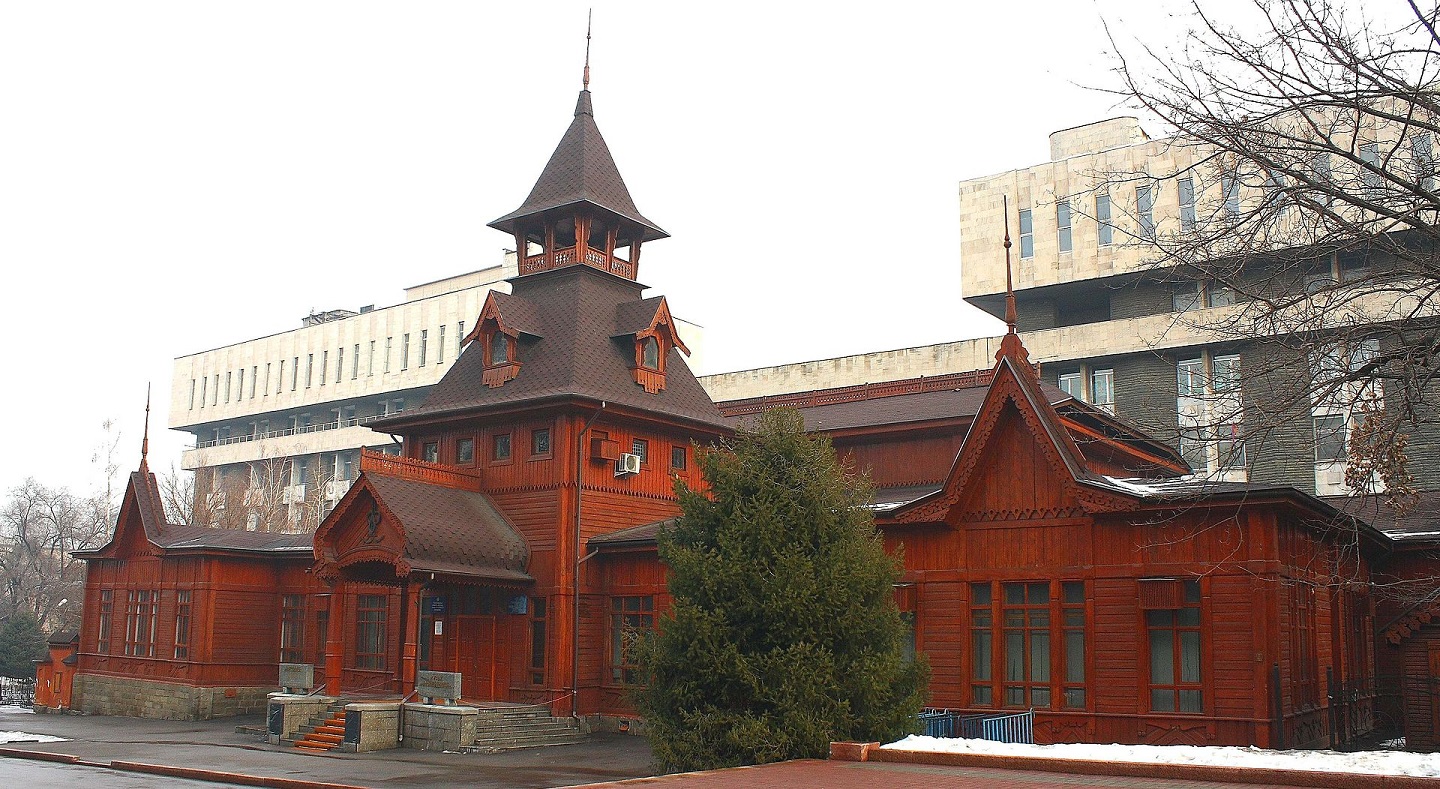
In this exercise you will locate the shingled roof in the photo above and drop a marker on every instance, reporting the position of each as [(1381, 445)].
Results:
[(581, 170), (577, 312), (453, 531), (177, 537)]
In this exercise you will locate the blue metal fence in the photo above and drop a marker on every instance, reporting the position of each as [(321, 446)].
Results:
[(1016, 727), (1009, 728)]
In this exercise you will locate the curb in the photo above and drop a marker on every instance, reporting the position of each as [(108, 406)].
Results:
[(39, 756), (218, 776), (1192, 772)]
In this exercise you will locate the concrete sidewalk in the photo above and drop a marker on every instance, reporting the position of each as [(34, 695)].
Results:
[(215, 746)]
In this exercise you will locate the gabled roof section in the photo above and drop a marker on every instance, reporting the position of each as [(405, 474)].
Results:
[(581, 170), (514, 315), (579, 357), (413, 525), (1014, 383), (142, 517), (647, 317)]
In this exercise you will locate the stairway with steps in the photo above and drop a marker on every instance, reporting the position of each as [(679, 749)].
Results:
[(323, 733), (503, 728)]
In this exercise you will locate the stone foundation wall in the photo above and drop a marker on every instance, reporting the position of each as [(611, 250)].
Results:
[(614, 724), (431, 727), (97, 694)]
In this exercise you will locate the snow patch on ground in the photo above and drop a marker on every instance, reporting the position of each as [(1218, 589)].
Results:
[(20, 736), (1368, 762)]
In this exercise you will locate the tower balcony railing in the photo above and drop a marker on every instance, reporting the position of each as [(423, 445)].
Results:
[(580, 253), (293, 431)]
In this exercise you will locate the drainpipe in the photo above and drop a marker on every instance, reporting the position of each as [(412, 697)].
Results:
[(575, 578)]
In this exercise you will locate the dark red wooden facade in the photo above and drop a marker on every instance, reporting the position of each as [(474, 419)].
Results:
[(1053, 559)]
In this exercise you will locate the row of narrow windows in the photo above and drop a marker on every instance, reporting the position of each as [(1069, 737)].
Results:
[(242, 384), (1029, 641)]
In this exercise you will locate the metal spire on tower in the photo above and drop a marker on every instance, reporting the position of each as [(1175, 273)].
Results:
[(585, 83), (145, 439), (1009, 285)]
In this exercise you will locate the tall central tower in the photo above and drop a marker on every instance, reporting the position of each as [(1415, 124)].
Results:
[(580, 213)]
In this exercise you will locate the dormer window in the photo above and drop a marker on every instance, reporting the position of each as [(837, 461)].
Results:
[(650, 353), (501, 359), (499, 349)]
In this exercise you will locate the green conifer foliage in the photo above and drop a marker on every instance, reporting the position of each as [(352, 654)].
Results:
[(783, 634), (21, 644)]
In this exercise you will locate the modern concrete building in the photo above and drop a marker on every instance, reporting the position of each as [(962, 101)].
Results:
[(1110, 328), (279, 421)]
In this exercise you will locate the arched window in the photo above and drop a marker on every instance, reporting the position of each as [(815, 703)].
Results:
[(650, 354), (499, 348)]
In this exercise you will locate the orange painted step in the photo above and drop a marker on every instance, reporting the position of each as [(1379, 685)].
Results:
[(314, 746)]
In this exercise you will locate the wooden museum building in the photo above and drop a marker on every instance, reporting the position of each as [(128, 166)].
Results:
[(1055, 559)]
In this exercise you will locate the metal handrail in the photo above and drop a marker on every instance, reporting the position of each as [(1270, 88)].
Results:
[(294, 431)]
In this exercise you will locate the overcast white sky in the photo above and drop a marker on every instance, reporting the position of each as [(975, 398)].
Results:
[(179, 176)]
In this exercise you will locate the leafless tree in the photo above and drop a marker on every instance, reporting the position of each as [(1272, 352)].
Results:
[(1307, 133), (260, 495), (40, 527)]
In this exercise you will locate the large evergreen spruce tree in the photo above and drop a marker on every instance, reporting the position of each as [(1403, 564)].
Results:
[(21, 644), (783, 635)]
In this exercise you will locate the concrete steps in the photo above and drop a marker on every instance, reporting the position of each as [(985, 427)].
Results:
[(505, 728), (322, 733)]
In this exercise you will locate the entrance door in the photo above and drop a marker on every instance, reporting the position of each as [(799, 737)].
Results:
[(475, 658)]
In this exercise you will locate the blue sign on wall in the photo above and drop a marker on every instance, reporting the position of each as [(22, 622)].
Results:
[(435, 605), (517, 604)]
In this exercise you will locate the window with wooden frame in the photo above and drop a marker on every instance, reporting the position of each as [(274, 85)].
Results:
[(1304, 662), (678, 456), (537, 640), (107, 608), (1025, 613), (430, 452), (630, 619), (641, 447), (465, 450), (540, 442), (500, 448), (292, 628), (182, 624), (370, 615), (141, 620), (1173, 629), (501, 350), (982, 646), (1028, 644), (650, 352)]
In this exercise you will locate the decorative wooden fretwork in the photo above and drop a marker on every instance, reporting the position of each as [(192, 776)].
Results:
[(581, 254), (498, 375), (1410, 622), (1169, 733), (419, 470), (652, 380)]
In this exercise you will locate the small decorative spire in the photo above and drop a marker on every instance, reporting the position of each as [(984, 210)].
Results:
[(1010, 345), (585, 83), (1009, 284), (145, 436)]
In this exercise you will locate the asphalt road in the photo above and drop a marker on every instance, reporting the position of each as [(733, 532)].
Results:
[(45, 775)]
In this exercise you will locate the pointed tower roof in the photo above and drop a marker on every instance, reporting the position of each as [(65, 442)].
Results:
[(581, 171)]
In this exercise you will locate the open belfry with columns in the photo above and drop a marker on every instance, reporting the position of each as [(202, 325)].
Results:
[(1054, 558)]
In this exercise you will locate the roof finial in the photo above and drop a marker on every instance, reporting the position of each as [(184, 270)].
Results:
[(145, 440), (1009, 285), (585, 83)]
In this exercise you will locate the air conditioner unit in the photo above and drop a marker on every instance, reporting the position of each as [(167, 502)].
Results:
[(627, 464), (255, 497), (295, 494), (336, 488)]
